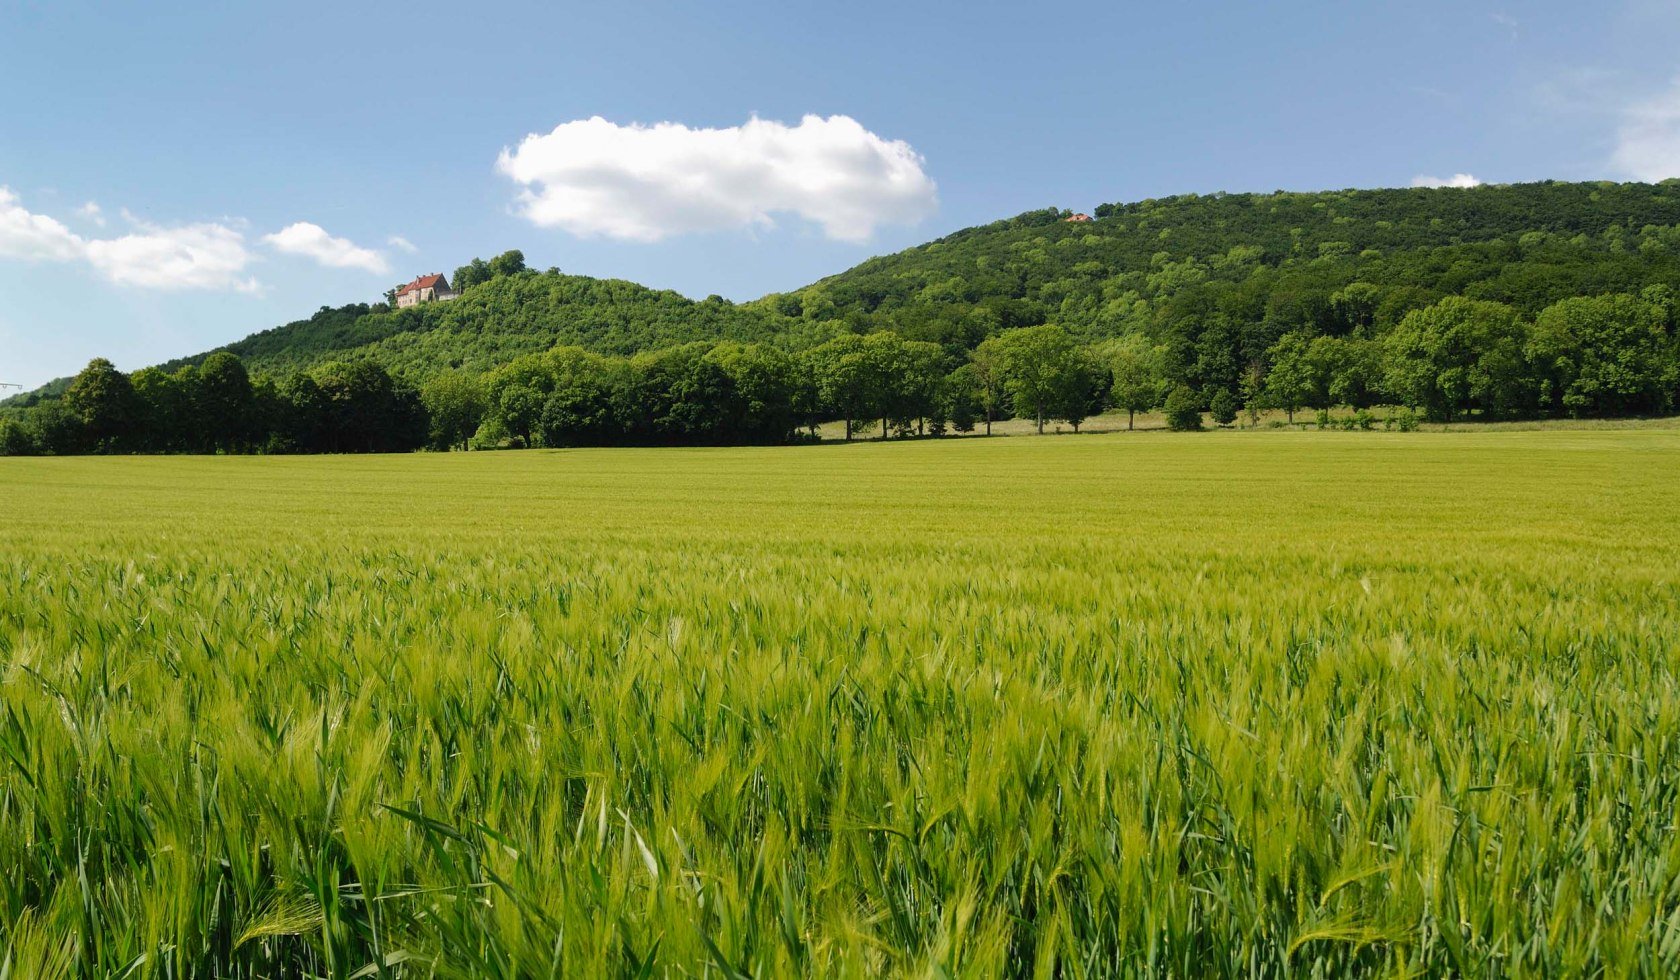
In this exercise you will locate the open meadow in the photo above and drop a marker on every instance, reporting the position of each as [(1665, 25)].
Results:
[(1270, 703)]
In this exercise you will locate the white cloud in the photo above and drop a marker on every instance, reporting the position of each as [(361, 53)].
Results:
[(312, 241), (399, 242), (24, 235), (91, 211), (646, 183), (200, 256), (1456, 180), (1648, 140)]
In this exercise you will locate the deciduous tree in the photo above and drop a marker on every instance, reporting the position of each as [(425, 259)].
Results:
[(1139, 375), (103, 399)]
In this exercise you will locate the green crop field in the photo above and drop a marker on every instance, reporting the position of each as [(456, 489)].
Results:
[(1273, 703)]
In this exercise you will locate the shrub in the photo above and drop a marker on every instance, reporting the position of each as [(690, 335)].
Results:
[(1184, 410), (15, 440), (1224, 407)]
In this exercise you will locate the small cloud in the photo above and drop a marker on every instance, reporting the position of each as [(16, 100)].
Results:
[(646, 183), (1648, 139), (402, 244), (312, 241), (1456, 180), (91, 212), (199, 256), (26, 235), (1506, 21)]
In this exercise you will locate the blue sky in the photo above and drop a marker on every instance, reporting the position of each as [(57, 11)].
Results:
[(250, 165)]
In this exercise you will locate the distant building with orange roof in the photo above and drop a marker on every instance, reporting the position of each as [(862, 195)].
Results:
[(425, 289)]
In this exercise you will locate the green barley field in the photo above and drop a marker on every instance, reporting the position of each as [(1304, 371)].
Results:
[(1301, 704)]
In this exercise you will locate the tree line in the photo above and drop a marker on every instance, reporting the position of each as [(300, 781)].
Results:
[(216, 407), (1601, 356)]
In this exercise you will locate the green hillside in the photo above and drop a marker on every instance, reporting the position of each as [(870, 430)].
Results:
[(1259, 265), (496, 321), (1212, 281)]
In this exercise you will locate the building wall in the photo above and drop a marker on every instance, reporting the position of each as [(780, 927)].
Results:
[(427, 294)]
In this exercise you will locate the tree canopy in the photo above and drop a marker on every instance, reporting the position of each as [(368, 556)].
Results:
[(1498, 302)]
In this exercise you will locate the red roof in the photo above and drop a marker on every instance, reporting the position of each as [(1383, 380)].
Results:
[(419, 283)]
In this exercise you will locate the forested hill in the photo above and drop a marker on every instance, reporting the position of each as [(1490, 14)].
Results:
[(1215, 280), (1526, 301), (1262, 264), (495, 321)]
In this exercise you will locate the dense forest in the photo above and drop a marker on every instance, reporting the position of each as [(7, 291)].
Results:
[(1497, 301), (1232, 273)]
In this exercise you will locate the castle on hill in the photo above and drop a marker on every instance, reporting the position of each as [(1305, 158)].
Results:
[(424, 289)]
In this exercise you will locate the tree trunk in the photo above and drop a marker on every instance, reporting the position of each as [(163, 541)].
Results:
[(1041, 423), (1131, 416), (1291, 412), (883, 428), (848, 428), (988, 421)]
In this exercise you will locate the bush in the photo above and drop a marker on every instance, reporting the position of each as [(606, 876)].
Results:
[(491, 434), (1224, 407), (1184, 410), (54, 430), (15, 440), (1363, 421), (1404, 420), (1323, 418)]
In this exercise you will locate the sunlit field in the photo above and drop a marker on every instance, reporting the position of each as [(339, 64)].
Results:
[(1305, 419), (1276, 703)]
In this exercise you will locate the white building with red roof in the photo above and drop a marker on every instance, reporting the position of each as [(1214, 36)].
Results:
[(425, 289)]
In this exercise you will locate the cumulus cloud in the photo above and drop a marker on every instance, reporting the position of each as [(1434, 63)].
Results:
[(1648, 139), (91, 211), (312, 241), (399, 242), (1456, 180), (24, 235), (645, 183), (199, 256)]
